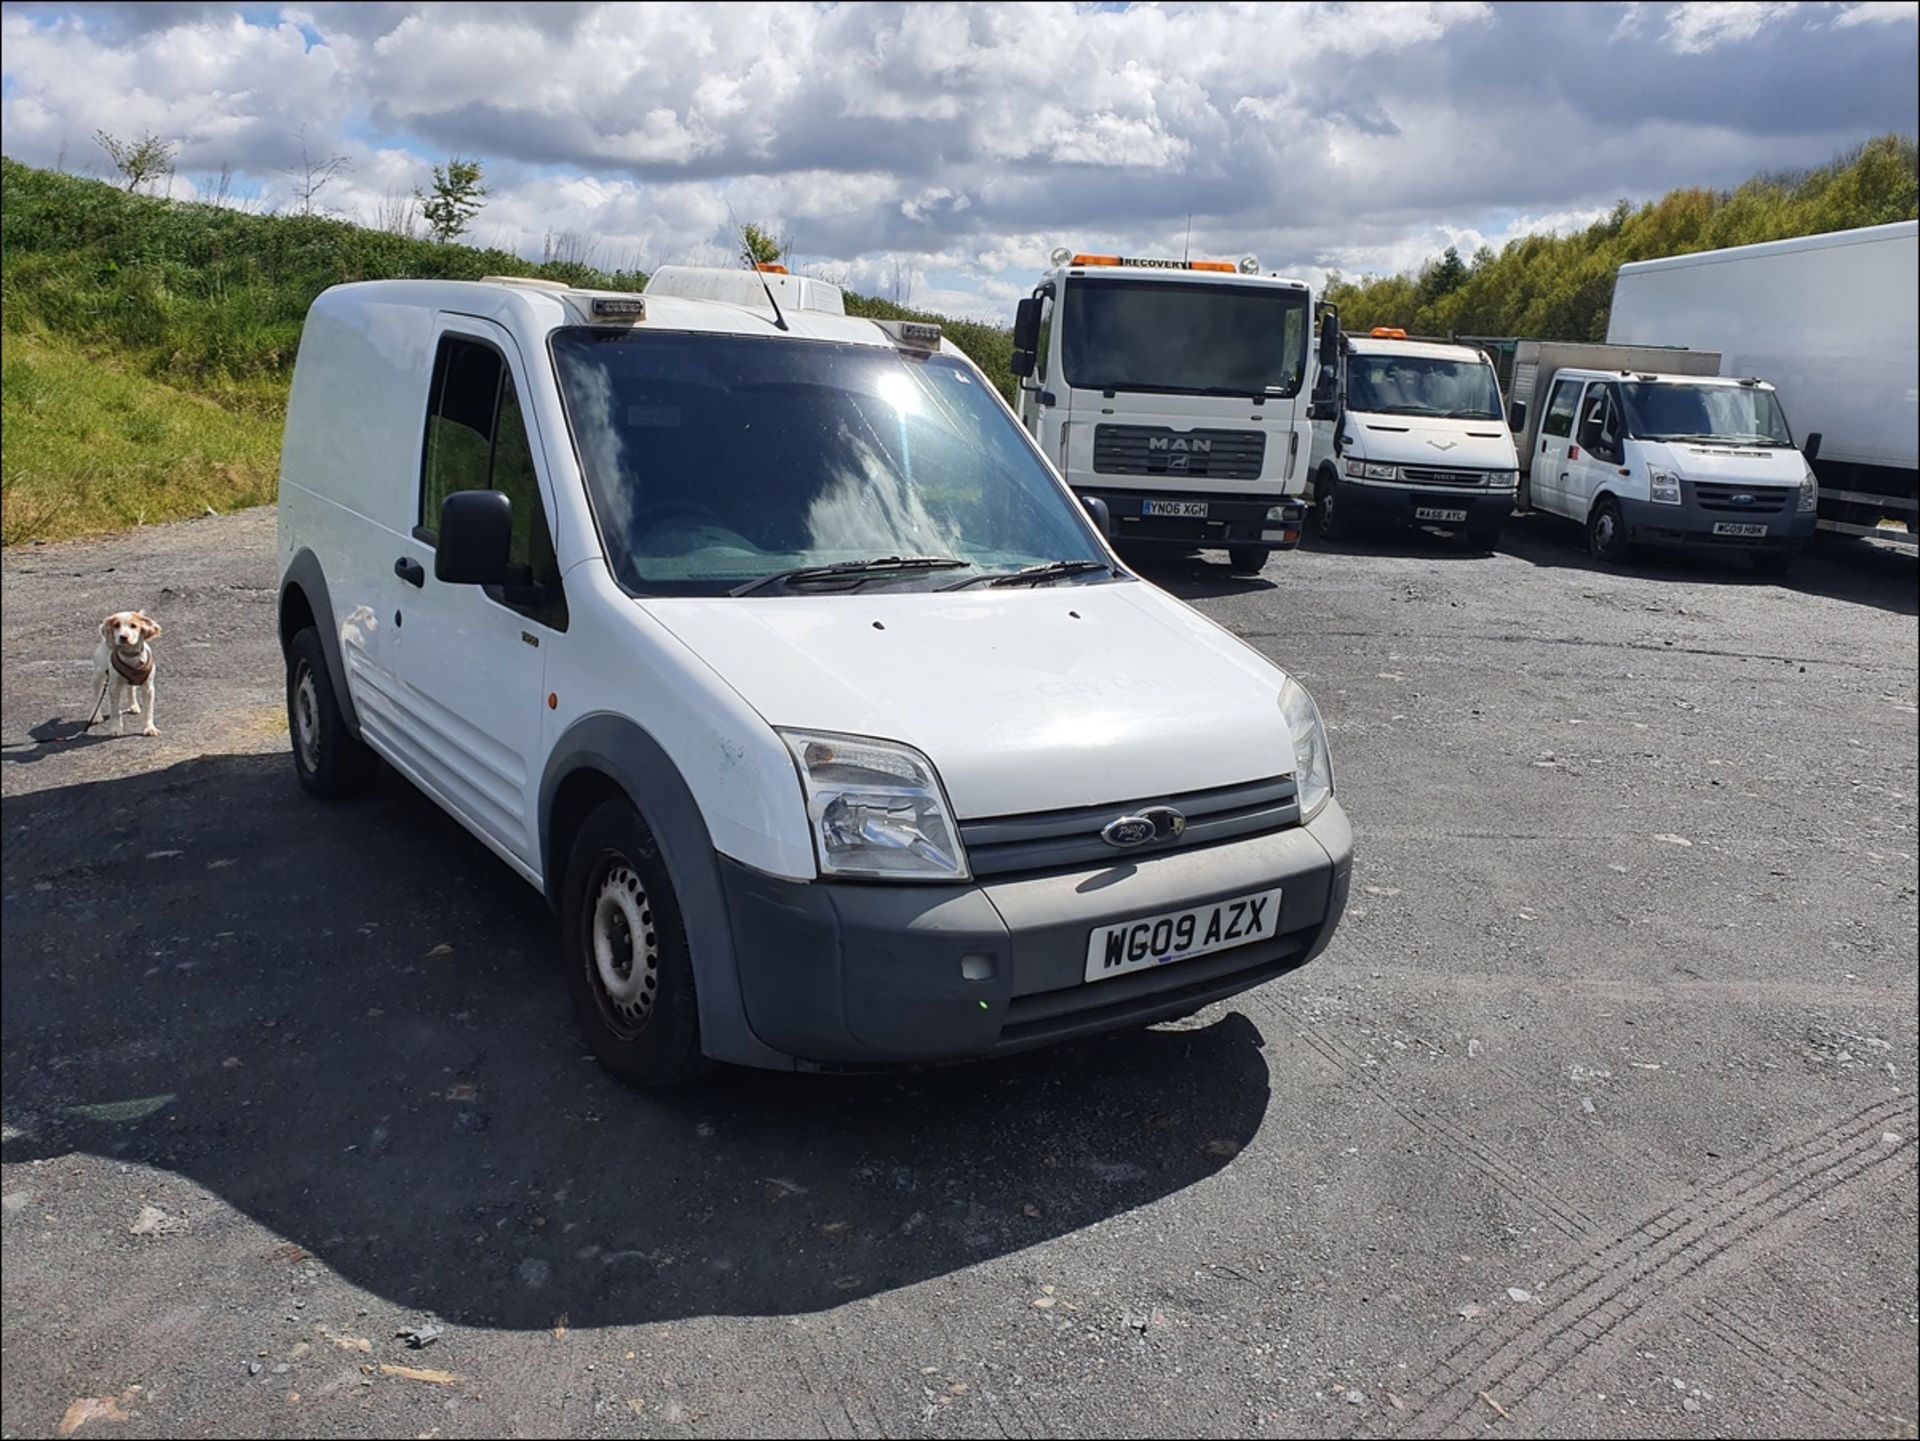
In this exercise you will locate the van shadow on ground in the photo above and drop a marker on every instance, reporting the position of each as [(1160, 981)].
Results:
[(210, 974)]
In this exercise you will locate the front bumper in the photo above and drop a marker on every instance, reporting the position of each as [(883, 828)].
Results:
[(865, 975), (1230, 519), (1691, 523), (1386, 502)]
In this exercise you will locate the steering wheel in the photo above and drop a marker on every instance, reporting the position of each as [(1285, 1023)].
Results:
[(684, 507)]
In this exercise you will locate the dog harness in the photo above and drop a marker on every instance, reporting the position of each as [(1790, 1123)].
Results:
[(133, 672)]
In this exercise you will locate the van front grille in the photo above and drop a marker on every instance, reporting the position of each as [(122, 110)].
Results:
[(1059, 840), (1742, 499)]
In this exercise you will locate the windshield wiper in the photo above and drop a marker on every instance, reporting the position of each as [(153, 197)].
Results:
[(853, 572), (1035, 574)]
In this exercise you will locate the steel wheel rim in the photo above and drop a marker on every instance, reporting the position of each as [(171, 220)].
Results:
[(1603, 530), (306, 717), (623, 948), (1326, 509)]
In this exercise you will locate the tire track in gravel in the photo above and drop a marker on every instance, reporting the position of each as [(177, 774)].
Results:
[(1514, 1358), (1561, 1215), (1800, 1371)]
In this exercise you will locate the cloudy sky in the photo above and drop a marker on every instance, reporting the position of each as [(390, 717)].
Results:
[(947, 148)]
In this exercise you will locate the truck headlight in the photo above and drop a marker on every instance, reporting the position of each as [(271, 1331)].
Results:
[(876, 809), (1809, 494), (1664, 486), (1371, 470), (1312, 761)]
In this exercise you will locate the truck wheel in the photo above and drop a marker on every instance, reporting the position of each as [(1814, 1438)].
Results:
[(625, 948), (1772, 562), (1329, 517), (1607, 532), (1247, 559), (330, 760)]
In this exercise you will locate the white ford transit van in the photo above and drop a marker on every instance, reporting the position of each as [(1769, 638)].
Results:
[(771, 649)]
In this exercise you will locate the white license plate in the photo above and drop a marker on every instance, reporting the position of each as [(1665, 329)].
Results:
[(1427, 512), (1734, 527), (1178, 935), (1190, 509)]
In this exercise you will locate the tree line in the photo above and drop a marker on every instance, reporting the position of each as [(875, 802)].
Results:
[(1560, 287)]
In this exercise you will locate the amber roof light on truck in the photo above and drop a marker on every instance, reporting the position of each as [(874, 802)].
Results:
[(1247, 264)]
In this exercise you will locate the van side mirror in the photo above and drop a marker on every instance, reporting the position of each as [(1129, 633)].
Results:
[(1517, 416), (1097, 508), (476, 537), (1324, 404), (1810, 448), (1026, 336)]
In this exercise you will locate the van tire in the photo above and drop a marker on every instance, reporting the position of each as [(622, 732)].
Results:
[(1329, 517), (330, 760), (624, 944), (1247, 559), (1607, 532)]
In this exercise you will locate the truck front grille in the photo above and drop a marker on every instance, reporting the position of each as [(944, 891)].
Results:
[(1058, 840), (1160, 450)]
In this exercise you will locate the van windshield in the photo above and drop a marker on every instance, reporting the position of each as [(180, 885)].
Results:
[(1422, 385), (1729, 414), (718, 461), (1182, 337)]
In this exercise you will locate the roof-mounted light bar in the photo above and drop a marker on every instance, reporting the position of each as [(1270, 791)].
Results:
[(1388, 332), (1247, 266), (912, 334), (619, 307)]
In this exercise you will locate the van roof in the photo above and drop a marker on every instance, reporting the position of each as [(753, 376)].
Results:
[(538, 306), (1570, 372)]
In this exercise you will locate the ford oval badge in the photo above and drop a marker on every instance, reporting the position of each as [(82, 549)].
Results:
[(1156, 823)]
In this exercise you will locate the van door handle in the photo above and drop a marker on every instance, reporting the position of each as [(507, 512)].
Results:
[(410, 570)]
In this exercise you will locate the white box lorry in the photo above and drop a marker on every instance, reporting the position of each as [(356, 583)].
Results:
[(1171, 396), (1829, 320)]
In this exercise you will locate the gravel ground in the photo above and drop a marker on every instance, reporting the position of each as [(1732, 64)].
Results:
[(1598, 1118)]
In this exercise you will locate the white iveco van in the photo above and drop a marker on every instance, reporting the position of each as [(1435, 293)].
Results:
[(768, 645), (1409, 433)]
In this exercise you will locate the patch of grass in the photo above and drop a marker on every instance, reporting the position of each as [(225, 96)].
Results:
[(93, 446)]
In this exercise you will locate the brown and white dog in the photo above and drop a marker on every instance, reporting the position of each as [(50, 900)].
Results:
[(123, 670)]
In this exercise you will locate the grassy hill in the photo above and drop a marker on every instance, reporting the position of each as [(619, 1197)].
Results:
[(149, 344)]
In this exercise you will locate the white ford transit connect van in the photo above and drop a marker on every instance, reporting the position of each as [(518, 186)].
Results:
[(772, 650)]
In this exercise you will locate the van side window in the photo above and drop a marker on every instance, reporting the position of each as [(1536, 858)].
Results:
[(477, 440), (1559, 417)]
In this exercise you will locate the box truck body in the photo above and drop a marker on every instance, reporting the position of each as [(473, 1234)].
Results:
[(1830, 321)]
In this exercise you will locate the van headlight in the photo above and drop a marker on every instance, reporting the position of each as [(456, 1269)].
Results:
[(1809, 494), (876, 809), (1663, 486), (1371, 470), (1312, 761)]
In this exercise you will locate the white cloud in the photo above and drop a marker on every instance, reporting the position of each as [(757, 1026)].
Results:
[(1702, 25), (1877, 12), (955, 145)]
